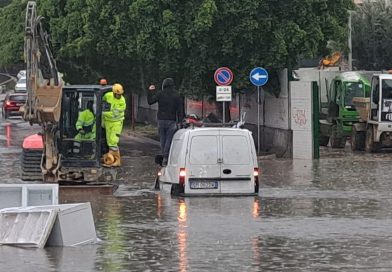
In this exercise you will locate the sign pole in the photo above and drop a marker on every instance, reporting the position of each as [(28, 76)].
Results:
[(223, 76), (258, 120), (224, 112)]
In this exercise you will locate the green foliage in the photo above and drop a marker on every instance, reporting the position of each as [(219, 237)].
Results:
[(137, 42), (372, 36), (12, 30), (3, 3)]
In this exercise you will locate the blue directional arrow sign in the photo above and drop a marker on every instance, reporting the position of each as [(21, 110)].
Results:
[(258, 76)]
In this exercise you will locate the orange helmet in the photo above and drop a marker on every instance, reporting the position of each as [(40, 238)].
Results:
[(103, 82)]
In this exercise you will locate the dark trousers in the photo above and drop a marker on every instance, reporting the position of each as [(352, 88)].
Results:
[(166, 129)]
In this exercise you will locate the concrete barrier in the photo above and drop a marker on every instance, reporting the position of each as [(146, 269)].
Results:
[(52, 225)]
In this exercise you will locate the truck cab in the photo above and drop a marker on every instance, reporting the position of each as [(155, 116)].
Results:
[(336, 124), (375, 129)]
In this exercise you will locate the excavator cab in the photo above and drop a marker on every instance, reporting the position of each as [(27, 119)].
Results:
[(81, 149), (80, 145)]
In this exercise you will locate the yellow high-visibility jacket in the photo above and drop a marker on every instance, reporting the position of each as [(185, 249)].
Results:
[(117, 108)]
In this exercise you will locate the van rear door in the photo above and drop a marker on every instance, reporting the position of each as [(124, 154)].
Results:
[(203, 162), (237, 163)]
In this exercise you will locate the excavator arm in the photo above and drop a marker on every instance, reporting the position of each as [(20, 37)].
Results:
[(44, 90)]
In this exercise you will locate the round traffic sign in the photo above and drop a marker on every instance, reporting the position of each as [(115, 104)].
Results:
[(258, 76), (223, 76)]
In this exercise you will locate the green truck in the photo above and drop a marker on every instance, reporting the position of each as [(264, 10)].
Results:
[(338, 115)]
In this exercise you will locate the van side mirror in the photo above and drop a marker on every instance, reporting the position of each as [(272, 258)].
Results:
[(159, 159)]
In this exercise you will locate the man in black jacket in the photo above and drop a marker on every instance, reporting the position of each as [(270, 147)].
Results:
[(170, 112)]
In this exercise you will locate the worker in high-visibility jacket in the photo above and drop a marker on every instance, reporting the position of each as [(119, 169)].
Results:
[(113, 117), (86, 123)]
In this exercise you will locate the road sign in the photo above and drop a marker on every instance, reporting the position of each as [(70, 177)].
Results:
[(223, 76), (223, 93), (258, 76)]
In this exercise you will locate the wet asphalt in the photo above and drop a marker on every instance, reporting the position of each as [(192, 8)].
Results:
[(332, 214)]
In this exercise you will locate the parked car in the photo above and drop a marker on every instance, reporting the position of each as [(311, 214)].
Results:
[(21, 85), (12, 103), (211, 161)]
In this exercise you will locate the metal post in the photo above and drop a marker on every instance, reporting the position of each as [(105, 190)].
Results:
[(258, 120), (133, 112), (224, 112)]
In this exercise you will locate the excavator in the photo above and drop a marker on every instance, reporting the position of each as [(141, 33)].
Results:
[(56, 154)]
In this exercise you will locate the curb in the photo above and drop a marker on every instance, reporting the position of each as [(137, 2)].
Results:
[(266, 157), (141, 139)]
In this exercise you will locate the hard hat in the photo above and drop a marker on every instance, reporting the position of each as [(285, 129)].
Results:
[(103, 81), (118, 89)]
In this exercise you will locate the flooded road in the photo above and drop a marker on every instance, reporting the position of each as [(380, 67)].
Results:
[(333, 214)]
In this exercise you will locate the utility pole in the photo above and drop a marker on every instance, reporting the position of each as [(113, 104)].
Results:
[(350, 47)]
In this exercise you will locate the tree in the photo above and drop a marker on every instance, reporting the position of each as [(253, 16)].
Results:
[(141, 41), (11, 38), (372, 36)]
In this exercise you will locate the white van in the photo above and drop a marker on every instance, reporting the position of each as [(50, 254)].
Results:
[(211, 161)]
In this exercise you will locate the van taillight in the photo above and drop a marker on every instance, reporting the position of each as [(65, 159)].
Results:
[(8, 103), (256, 176), (182, 176)]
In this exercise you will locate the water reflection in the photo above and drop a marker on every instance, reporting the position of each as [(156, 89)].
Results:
[(182, 235), (159, 205), (66, 259), (256, 207), (115, 240), (8, 134)]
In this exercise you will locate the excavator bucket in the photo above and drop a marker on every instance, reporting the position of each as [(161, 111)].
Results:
[(49, 103)]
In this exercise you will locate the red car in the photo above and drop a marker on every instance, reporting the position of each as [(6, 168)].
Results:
[(12, 103)]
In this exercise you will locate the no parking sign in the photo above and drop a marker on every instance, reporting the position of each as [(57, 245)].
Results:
[(223, 76)]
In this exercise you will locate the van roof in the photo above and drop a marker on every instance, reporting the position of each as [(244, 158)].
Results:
[(182, 132)]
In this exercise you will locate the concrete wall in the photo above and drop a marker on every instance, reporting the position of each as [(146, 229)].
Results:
[(275, 134), (144, 112)]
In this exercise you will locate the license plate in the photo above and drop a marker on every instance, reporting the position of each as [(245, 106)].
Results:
[(19, 104), (204, 185)]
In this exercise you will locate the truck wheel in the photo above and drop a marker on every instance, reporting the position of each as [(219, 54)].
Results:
[(31, 165), (337, 142), (358, 139), (323, 141), (370, 145)]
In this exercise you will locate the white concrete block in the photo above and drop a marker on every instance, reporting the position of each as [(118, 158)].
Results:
[(23, 195)]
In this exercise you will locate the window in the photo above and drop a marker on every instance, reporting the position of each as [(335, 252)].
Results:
[(353, 89), (18, 98), (235, 150), (175, 151), (204, 150)]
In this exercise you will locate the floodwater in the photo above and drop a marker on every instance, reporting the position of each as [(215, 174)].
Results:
[(332, 214)]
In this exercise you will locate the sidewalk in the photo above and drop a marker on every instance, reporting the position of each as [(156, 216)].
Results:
[(142, 134)]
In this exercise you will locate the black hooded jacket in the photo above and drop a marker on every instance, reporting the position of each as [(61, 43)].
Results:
[(170, 105)]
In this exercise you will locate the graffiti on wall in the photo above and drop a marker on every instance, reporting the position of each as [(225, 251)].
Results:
[(300, 118)]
